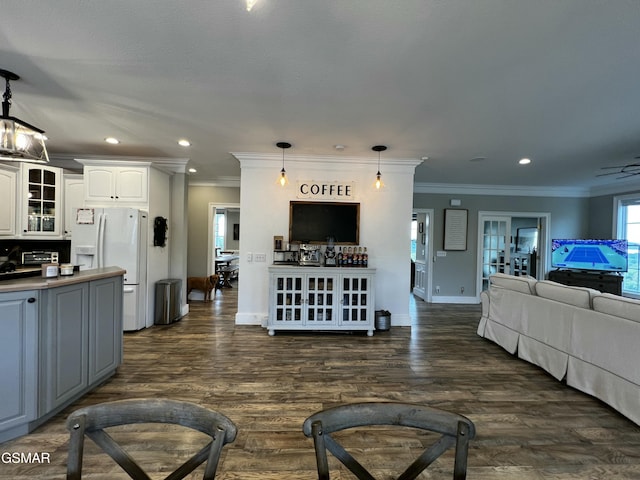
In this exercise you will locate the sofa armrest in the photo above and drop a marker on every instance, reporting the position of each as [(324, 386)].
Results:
[(484, 302)]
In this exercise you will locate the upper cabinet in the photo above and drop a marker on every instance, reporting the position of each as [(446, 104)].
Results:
[(41, 212), (8, 177), (110, 185), (73, 199)]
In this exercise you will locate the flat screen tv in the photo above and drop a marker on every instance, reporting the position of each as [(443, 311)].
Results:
[(596, 255), (316, 222)]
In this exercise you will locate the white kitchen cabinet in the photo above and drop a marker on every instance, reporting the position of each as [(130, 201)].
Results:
[(111, 185), (40, 194), (321, 298), (8, 179), (73, 199)]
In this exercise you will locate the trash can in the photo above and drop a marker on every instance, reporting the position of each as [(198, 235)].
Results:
[(167, 301), (383, 320)]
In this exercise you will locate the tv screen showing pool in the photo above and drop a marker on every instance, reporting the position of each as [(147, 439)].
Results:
[(597, 255)]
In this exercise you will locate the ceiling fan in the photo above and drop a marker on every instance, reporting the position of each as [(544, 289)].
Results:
[(624, 171)]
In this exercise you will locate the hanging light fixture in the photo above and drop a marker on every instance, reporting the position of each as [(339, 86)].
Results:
[(378, 148), (19, 141), (283, 180)]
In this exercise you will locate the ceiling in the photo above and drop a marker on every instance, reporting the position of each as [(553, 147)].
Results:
[(472, 85)]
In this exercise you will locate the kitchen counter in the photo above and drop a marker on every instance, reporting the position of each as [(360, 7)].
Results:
[(39, 283)]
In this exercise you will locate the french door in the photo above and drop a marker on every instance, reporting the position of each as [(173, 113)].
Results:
[(495, 246)]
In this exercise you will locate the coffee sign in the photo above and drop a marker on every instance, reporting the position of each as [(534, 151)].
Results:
[(326, 190)]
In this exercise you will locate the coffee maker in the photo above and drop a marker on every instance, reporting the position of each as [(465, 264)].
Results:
[(330, 253), (309, 255)]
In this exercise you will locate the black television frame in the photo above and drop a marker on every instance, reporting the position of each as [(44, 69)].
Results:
[(323, 211)]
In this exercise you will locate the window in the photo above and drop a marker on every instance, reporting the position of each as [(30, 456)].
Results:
[(628, 227), (220, 229), (414, 236)]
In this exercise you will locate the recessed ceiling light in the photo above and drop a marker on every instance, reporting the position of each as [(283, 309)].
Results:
[(524, 161), (192, 170), (424, 158), (112, 140), (183, 142), (339, 147), (478, 159)]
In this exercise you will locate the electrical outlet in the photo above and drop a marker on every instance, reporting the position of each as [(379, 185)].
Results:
[(461, 289), (437, 288)]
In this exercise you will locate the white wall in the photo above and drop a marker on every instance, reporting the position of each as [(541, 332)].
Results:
[(385, 219), (157, 257)]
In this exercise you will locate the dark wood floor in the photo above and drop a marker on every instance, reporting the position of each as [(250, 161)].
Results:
[(529, 425)]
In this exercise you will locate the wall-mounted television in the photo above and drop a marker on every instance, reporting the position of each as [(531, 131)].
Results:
[(596, 255), (316, 222)]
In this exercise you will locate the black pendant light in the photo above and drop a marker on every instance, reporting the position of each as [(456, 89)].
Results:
[(19, 141), (283, 180), (378, 148)]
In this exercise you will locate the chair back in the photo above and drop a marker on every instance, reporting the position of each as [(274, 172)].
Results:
[(91, 421), (455, 431)]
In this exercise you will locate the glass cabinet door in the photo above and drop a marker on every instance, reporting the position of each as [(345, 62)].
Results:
[(320, 299), (289, 301), (42, 200), (354, 299)]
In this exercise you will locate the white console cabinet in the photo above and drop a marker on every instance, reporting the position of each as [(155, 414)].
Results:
[(321, 298)]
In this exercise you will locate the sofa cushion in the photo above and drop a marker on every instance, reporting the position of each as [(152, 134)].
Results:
[(519, 284), (617, 306), (577, 296)]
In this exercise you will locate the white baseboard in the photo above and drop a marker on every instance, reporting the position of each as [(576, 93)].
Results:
[(460, 300), (400, 320), (251, 319)]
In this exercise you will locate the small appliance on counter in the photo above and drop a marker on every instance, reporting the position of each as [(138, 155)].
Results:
[(285, 257), (330, 257), (38, 257), (309, 255)]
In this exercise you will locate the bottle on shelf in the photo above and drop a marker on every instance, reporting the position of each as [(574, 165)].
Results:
[(365, 258)]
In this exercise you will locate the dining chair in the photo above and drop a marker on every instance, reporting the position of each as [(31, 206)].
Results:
[(455, 431), (93, 420)]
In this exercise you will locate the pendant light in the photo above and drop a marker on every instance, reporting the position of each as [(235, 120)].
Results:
[(283, 180), (19, 141), (378, 148)]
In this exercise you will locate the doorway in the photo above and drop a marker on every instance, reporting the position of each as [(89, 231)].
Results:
[(422, 252), (223, 231), (512, 242)]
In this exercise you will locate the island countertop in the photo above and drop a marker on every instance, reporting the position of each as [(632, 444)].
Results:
[(39, 283)]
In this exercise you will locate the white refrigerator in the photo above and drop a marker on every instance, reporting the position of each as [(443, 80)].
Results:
[(107, 237)]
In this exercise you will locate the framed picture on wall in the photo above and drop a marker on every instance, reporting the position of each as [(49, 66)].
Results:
[(455, 229), (526, 239)]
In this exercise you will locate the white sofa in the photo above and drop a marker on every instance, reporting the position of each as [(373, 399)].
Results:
[(590, 338)]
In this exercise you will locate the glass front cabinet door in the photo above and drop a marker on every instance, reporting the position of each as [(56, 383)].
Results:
[(41, 200)]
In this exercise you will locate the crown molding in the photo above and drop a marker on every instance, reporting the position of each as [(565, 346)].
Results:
[(506, 190), (270, 159), (229, 182)]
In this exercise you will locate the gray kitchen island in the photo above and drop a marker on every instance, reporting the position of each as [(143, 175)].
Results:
[(59, 338)]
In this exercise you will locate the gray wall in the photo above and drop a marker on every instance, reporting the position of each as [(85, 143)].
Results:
[(569, 219), (601, 217), (199, 199)]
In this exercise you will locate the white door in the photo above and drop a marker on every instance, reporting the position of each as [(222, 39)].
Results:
[(422, 236), (495, 246)]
